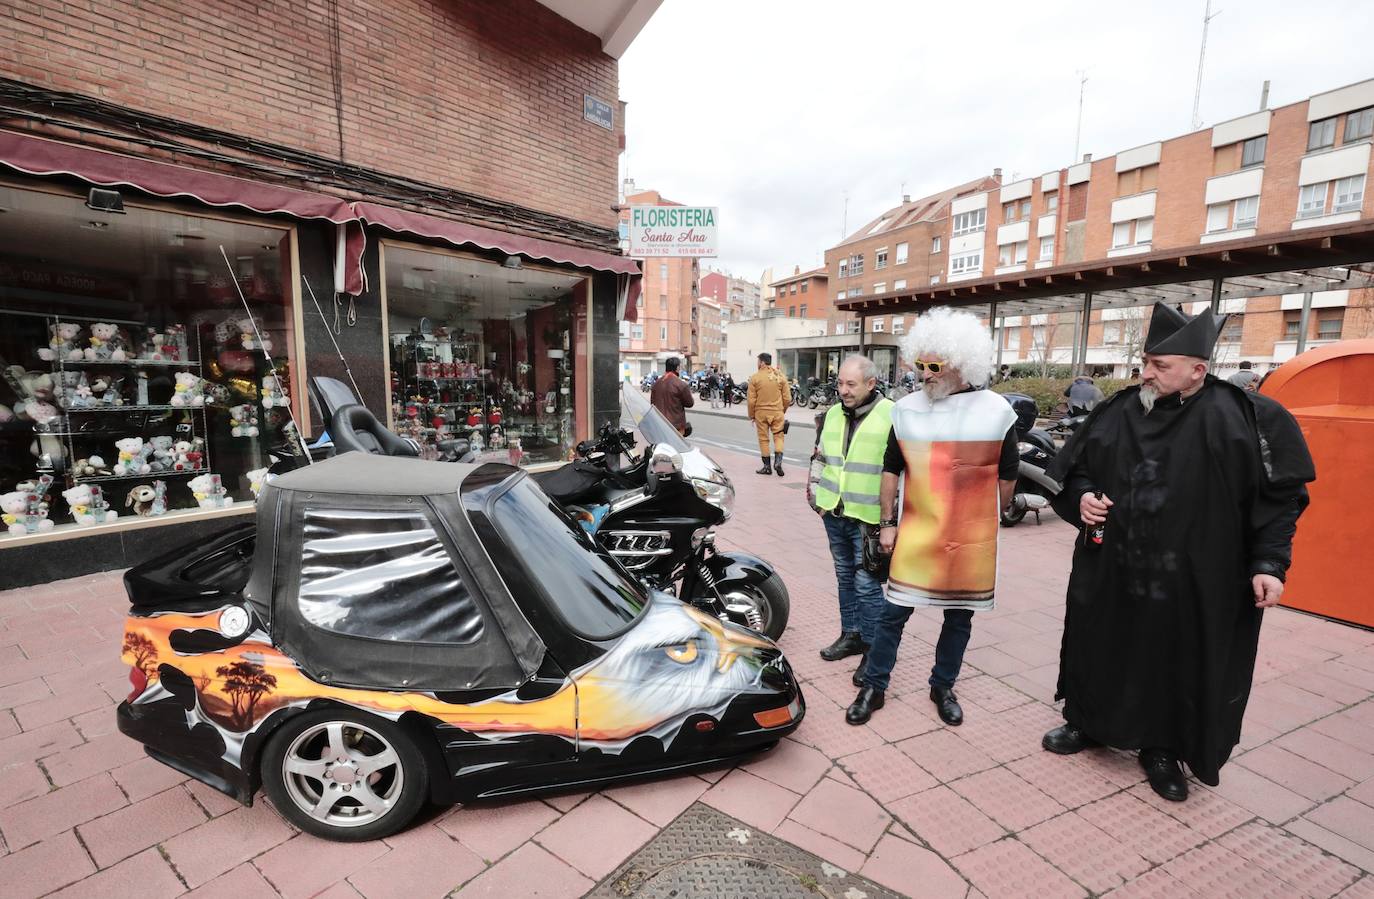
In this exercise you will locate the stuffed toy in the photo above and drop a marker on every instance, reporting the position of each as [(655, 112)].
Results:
[(131, 457), (187, 455), (243, 420), (165, 346), (62, 343), (88, 505), (271, 395), (106, 345), (189, 390), (76, 391), (24, 510), (256, 478), (248, 338), (105, 391), (90, 467), (148, 499), (163, 457), (41, 413), (208, 491)]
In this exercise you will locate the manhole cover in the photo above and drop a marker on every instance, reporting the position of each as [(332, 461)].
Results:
[(708, 855)]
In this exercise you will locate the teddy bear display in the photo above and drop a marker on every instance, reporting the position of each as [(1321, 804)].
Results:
[(256, 479), (133, 456), (165, 346), (105, 344), (62, 343), (88, 505), (76, 390), (248, 337), (189, 391), (148, 499), (24, 510), (188, 455), (274, 394), (90, 467), (243, 420), (163, 455), (209, 491)]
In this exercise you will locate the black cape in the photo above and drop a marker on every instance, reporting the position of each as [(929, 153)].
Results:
[(1160, 625)]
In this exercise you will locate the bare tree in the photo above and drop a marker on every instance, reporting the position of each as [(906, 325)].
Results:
[(143, 650), (246, 683), (1133, 328), (1044, 338)]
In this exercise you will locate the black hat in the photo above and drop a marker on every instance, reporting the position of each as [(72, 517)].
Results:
[(1172, 333)]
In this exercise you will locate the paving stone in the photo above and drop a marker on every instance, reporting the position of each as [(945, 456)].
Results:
[(1205, 812), (1348, 818), (1260, 795), (658, 801), (34, 744), (842, 813), (818, 844), (1303, 777), (423, 862), (146, 777), (791, 765), (1297, 862), (1071, 782), (886, 773), (1009, 869), (946, 821), (530, 871), (1348, 850), (136, 827), (492, 829), (145, 876), (945, 755), (59, 810), (1006, 798), (21, 782), (751, 799), (243, 882), (1085, 852), (618, 834), (101, 754), (824, 728), (913, 871), (1213, 870), (1154, 885), (1142, 828), (44, 867), (203, 853), (1329, 752)]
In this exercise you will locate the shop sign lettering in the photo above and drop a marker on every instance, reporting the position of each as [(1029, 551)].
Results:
[(657, 231)]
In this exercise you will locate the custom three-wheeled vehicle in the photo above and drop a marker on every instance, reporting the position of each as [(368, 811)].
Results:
[(394, 631)]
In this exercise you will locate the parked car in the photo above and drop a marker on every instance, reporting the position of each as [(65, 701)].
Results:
[(393, 631)]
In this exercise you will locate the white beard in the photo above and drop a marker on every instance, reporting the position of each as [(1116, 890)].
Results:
[(1148, 396), (937, 390)]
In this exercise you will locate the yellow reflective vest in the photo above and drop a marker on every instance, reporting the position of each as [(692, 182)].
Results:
[(854, 477)]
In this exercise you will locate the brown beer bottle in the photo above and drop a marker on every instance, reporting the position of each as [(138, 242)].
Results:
[(1093, 536)]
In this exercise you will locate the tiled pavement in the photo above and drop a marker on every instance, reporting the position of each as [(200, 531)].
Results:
[(975, 811)]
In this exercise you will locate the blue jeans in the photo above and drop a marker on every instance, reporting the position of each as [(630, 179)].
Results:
[(861, 597), (949, 649)]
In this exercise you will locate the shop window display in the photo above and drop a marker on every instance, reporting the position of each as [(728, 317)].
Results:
[(485, 353), (132, 382)]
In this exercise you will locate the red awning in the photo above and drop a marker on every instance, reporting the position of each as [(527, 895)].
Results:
[(460, 234)]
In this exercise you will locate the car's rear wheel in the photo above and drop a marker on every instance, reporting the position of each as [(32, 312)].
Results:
[(344, 775)]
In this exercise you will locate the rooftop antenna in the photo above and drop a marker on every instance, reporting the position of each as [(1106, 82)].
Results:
[(1207, 17), (1078, 133)]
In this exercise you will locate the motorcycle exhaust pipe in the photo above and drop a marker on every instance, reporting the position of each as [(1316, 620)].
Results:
[(1030, 502)]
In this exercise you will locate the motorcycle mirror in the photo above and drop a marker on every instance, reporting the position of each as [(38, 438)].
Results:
[(664, 462)]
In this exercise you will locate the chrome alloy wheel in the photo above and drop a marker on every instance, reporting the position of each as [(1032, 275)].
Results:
[(748, 608), (343, 774)]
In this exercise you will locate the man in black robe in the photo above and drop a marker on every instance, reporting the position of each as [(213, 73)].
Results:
[(1197, 486)]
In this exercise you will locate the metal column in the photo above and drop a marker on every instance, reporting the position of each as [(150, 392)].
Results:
[(1302, 322), (1082, 348), (995, 326), (863, 323), (1216, 295)]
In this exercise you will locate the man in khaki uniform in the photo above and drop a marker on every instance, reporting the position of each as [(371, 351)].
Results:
[(769, 397)]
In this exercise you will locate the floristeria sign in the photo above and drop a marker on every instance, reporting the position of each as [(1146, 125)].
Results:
[(672, 231)]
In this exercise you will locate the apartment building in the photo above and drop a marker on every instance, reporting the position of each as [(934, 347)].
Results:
[(802, 294), (1268, 171), (738, 298)]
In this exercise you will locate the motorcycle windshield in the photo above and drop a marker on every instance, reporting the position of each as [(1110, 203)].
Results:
[(650, 423)]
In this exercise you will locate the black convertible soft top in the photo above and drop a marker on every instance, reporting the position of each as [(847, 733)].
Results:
[(370, 575)]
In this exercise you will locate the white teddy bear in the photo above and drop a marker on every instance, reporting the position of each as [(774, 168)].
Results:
[(243, 420), (88, 505), (190, 390), (21, 515), (105, 344), (208, 491), (132, 458), (62, 344), (271, 396)]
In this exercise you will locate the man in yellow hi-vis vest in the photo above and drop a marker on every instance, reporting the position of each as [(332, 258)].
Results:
[(953, 445), (851, 445)]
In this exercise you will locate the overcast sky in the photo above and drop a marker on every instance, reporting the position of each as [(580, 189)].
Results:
[(773, 110)]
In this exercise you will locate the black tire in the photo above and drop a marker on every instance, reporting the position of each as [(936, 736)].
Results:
[(1012, 516), (385, 800), (770, 599)]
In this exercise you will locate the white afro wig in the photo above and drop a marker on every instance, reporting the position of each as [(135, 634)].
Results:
[(953, 336)]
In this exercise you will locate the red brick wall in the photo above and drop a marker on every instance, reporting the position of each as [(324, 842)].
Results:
[(480, 96)]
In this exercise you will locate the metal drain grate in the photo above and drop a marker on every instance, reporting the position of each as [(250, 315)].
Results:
[(705, 854)]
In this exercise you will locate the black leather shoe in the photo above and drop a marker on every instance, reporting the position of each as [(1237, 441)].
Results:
[(1165, 774), (947, 704), (847, 645), (858, 678), (767, 466), (777, 464), (864, 705), (1066, 740)]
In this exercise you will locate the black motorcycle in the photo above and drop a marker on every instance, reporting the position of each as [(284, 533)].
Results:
[(1034, 488), (657, 514), (821, 394)]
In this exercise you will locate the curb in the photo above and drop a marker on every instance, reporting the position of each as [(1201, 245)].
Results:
[(715, 413)]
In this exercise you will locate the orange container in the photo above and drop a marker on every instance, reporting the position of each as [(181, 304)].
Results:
[(1330, 391)]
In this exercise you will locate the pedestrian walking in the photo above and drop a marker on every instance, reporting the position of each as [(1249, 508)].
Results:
[(1188, 490), (953, 442), (728, 389), (767, 405), (671, 396), (851, 443)]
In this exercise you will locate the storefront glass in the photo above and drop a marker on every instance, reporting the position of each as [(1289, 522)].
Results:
[(486, 353), (132, 382)]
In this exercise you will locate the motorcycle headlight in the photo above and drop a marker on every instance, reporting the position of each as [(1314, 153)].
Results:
[(718, 493)]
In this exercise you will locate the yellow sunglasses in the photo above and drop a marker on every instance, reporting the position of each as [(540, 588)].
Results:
[(932, 367)]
